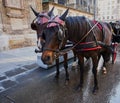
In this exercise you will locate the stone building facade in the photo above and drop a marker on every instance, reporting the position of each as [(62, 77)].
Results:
[(15, 19)]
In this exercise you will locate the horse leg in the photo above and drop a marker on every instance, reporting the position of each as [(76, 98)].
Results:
[(74, 58), (57, 68), (106, 58), (74, 53), (94, 70), (104, 70), (81, 64), (66, 67), (99, 56)]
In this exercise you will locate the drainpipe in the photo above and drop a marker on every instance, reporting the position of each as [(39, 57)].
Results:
[(94, 9)]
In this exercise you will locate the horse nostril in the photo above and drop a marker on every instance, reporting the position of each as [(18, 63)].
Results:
[(47, 58)]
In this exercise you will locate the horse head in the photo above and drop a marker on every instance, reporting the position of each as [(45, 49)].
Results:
[(39, 23), (55, 38)]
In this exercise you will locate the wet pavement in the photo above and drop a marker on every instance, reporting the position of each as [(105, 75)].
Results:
[(15, 62), (39, 86)]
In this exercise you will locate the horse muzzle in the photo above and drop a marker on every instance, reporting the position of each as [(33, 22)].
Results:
[(47, 57)]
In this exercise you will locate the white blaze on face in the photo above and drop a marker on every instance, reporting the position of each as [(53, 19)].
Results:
[(39, 43)]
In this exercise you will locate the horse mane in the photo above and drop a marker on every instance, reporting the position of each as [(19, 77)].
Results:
[(77, 25), (109, 26), (75, 22)]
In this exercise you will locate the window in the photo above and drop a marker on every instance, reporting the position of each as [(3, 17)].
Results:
[(61, 2), (113, 2), (112, 17), (13, 3), (118, 1)]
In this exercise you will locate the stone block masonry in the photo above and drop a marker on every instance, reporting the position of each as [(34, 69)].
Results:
[(15, 20)]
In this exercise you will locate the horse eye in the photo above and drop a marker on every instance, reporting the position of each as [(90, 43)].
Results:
[(43, 36)]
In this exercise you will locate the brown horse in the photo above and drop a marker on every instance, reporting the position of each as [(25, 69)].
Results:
[(38, 24), (88, 40)]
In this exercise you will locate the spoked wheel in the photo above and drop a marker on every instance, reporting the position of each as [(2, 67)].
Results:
[(114, 53)]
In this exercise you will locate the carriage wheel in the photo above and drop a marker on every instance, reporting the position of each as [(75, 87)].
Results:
[(114, 54)]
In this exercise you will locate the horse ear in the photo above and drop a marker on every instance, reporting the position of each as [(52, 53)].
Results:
[(33, 26), (35, 12), (50, 13), (63, 16)]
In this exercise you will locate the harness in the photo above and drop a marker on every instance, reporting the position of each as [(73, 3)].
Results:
[(81, 46), (87, 46), (100, 27), (93, 45)]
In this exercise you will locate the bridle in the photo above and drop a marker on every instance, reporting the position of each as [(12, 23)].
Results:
[(40, 21), (61, 35), (44, 16), (40, 16)]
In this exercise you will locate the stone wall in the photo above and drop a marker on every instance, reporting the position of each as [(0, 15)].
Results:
[(15, 19)]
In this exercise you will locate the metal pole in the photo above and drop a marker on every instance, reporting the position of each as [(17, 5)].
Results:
[(94, 9)]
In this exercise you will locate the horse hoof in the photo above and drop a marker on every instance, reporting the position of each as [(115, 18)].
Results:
[(104, 71), (95, 89), (66, 82), (74, 64)]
